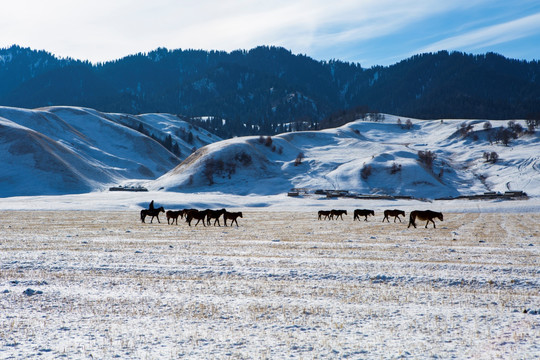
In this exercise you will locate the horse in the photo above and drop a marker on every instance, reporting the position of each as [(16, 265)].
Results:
[(395, 213), (337, 213), (362, 212), (427, 215), (153, 213), (231, 216), (324, 214), (196, 214), (214, 214), (172, 214)]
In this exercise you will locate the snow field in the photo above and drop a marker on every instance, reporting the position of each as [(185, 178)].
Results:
[(280, 285)]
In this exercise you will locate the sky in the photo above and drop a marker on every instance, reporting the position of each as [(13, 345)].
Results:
[(369, 32)]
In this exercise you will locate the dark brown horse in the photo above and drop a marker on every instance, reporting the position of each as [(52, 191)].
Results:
[(196, 214), (153, 213), (427, 215), (395, 213), (233, 216), (174, 214), (324, 214), (337, 214), (214, 214), (362, 212)]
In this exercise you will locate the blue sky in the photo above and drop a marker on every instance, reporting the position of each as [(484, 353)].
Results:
[(370, 32)]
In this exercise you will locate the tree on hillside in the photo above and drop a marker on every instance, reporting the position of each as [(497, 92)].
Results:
[(408, 124), (299, 159), (427, 158), (366, 171)]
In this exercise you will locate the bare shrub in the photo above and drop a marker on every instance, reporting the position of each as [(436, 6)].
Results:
[(243, 158), (366, 171), (491, 156), (299, 159), (465, 129), (395, 168), (427, 158), (408, 124), (503, 136)]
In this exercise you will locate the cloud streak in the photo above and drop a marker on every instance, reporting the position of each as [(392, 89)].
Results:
[(489, 36)]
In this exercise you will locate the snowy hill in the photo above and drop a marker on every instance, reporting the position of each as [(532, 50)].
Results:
[(367, 158), (68, 150), (63, 150)]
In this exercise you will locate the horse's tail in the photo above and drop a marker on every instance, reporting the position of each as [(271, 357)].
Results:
[(143, 215), (412, 217)]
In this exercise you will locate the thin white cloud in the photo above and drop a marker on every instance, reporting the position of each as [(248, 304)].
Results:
[(489, 36)]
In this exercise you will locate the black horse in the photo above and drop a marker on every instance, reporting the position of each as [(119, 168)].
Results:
[(153, 213), (214, 214), (362, 212), (233, 216), (427, 215), (172, 214), (196, 214), (395, 213), (324, 214), (337, 214)]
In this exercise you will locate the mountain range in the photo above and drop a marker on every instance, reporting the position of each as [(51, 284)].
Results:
[(269, 90), (68, 150)]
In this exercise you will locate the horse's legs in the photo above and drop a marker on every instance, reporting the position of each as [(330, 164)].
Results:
[(411, 222)]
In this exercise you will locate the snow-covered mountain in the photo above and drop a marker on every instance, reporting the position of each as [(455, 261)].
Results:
[(62, 150), (367, 158)]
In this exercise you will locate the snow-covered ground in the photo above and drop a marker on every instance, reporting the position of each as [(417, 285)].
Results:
[(130, 201), (103, 285), (82, 277)]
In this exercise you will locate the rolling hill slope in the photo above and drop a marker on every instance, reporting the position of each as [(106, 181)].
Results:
[(61, 150), (64, 150), (366, 158)]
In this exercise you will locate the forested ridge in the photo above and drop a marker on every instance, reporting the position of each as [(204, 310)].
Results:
[(268, 90)]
